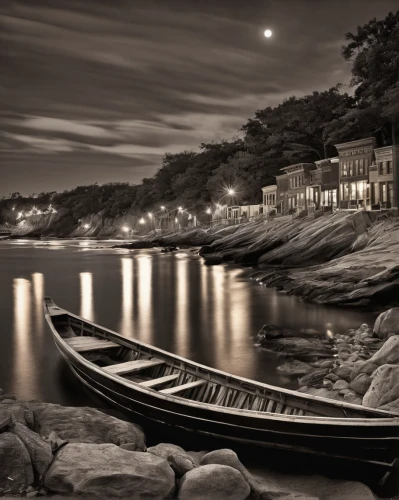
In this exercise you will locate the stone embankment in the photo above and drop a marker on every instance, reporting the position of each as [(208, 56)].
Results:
[(359, 367), (48, 449)]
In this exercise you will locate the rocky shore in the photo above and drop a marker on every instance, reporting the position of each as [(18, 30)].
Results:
[(65, 452), (359, 367), (347, 259)]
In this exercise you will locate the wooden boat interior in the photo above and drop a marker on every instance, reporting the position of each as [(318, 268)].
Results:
[(167, 374)]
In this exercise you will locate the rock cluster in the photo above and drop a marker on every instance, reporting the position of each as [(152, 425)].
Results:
[(47, 449), (364, 369)]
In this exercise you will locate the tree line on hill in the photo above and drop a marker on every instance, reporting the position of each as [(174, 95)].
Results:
[(300, 129)]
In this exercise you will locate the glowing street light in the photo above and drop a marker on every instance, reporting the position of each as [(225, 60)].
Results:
[(231, 191), (142, 221), (208, 211), (125, 229), (176, 220), (86, 226), (163, 208), (150, 215), (268, 33), (180, 209)]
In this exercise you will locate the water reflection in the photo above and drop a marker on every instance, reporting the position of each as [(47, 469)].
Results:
[(144, 277), (86, 296), (182, 307), (22, 379), (219, 313), (208, 314), (38, 294), (127, 297)]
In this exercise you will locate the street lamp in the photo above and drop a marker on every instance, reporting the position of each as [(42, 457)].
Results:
[(231, 192), (86, 226), (163, 208), (150, 215), (180, 209), (142, 221)]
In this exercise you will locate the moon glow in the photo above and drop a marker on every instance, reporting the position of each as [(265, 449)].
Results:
[(268, 33)]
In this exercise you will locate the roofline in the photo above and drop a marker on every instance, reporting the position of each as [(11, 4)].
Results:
[(358, 142)]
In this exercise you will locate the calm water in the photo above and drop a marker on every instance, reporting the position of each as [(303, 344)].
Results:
[(208, 314)]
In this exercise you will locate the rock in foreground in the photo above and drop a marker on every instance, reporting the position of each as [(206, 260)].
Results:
[(15, 465), (216, 482), (106, 471), (85, 425)]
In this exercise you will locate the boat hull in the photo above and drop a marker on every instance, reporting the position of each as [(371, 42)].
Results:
[(375, 445)]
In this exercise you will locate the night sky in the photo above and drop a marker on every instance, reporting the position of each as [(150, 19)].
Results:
[(98, 90)]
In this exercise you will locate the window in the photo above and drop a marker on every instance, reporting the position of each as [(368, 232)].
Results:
[(352, 191), (351, 168), (362, 190), (383, 192), (380, 168), (366, 166), (356, 167), (361, 167), (344, 169), (390, 192), (389, 167), (345, 191)]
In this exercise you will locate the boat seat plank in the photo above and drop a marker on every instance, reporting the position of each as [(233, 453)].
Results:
[(159, 381), (184, 387), (89, 345), (133, 366)]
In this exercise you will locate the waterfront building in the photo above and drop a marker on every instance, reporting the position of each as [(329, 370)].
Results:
[(241, 213), (381, 179), (324, 184), (355, 159), (292, 184), (269, 197)]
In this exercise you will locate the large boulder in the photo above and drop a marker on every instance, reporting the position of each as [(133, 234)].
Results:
[(165, 450), (224, 456), (392, 406), (20, 411), (384, 387), (16, 471), (107, 471), (39, 450), (270, 332), (261, 487), (181, 464), (315, 378), (86, 425), (361, 383), (180, 461), (295, 367), (387, 355), (297, 346), (387, 323), (219, 482)]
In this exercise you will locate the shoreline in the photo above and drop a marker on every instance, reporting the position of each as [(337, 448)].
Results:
[(355, 367)]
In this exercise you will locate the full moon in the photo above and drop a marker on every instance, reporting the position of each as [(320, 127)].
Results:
[(268, 33)]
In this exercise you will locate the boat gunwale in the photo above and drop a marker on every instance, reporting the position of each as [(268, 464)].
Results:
[(392, 419)]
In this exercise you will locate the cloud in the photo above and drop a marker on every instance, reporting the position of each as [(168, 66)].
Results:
[(123, 82), (66, 126)]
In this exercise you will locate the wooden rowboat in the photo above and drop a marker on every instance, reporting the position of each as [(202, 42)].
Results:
[(166, 388)]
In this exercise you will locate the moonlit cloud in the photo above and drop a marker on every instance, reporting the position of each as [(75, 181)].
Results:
[(99, 91)]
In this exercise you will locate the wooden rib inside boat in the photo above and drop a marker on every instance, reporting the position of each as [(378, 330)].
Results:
[(161, 386)]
